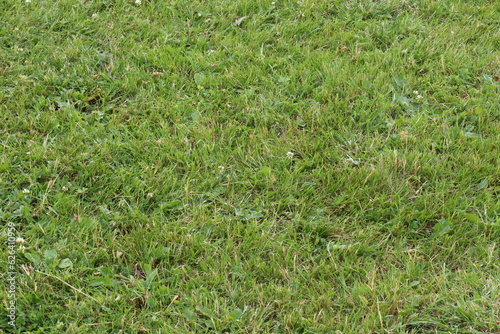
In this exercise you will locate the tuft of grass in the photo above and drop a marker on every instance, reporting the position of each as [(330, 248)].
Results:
[(251, 166)]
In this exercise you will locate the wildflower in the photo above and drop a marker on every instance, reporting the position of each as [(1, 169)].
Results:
[(138, 2), (20, 240), (289, 155), (149, 195), (25, 191), (415, 92)]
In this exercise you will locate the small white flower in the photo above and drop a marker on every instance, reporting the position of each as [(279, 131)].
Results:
[(65, 188), (138, 2), (415, 92), (27, 1), (94, 15), (209, 52), (419, 97), (289, 155), (25, 191), (221, 168), (20, 240)]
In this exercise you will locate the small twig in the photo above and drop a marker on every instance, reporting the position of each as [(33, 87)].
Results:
[(487, 4), (71, 286)]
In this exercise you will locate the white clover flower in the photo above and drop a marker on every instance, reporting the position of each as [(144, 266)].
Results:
[(94, 15), (289, 155), (27, 1), (20, 240), (419, 97), (138, 2), (415, 92), (25, 191)]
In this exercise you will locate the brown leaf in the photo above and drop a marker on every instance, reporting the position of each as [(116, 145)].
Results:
[(137, 302), (138, 272)]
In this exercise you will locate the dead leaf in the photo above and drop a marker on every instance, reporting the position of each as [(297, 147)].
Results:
[(138, 272)]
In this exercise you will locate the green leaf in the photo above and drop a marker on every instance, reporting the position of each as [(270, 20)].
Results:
[(152, 302), (414, 283), (403, 100), (483, 184), (149, 272), (4, 167), (65, 263), (308, 185), (189, 315), (400, 81), (50, 254), (172, 205), (199, 78), (204, 311), (235, 315), (472, 217), (97, 282), (105, 281), (33, 257), (441, 228), (253, 215), (239, 20), (266, 171)]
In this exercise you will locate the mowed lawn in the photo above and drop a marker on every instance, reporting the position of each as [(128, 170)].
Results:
[(250, 166)]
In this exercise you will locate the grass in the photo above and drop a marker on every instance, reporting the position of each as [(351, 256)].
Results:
[(251, 166)]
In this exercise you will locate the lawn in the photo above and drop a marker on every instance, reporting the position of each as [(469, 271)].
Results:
[(250, 166)]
